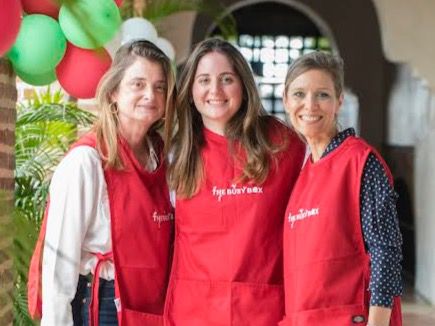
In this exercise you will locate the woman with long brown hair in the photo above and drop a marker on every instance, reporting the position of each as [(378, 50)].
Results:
[(232, 168)]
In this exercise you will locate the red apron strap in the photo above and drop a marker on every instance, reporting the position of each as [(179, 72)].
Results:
[(94, 303), (34, 279)]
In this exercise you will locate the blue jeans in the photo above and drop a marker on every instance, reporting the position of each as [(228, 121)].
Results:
[(107, 308)]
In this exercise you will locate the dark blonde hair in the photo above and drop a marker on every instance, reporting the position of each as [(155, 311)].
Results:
[(106, 126), (249, 125), (331, 64)]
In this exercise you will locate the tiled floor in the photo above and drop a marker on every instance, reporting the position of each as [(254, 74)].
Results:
[(416, 312)]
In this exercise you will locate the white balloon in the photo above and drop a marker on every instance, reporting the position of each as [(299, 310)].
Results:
[(138, 28), (166, 47), (114, 44)]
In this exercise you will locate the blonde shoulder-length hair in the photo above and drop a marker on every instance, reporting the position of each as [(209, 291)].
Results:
[(249, 126), (106, 125)]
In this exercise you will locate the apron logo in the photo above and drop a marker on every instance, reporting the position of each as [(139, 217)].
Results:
[(302, 215), (159, 218), (235, 191)]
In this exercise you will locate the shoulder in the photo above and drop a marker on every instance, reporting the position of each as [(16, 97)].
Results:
[(356, 148), (375, 164), (368, 156), (358, 144), (83, 153), (78, 158), (88, 139), (79, 170)]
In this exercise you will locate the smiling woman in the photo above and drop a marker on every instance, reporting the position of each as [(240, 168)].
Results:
[(109, 221), (313, 104), (140, 103), (216, 91), (354, 255), (140, 97), (233, 169)]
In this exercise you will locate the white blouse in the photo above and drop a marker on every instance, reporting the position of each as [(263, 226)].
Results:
[(78, 225)]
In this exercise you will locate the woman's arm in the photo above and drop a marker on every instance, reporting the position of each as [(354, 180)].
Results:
[(379, 316), (74, 198), (382, 238)]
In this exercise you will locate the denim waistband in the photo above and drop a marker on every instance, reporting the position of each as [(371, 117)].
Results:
[(106, 290)]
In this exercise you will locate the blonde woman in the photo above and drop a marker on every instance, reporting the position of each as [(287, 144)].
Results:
[(342, 243), (109, 221)]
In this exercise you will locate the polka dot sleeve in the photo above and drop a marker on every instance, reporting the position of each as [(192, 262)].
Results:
[(381, 233), (380, 227)]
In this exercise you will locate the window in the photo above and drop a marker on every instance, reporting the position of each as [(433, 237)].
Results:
[(270, 57)]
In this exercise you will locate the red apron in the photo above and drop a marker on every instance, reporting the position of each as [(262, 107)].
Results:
[(142, 234), (227, 267), (326, 266)]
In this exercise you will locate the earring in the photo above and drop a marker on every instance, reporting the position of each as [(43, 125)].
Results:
[(113, 108)]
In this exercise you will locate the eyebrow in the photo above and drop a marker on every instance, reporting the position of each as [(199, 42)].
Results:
[(222, 73), (144, 79), (318, 89)]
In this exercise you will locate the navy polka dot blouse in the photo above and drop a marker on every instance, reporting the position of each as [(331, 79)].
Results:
[(380, 227)]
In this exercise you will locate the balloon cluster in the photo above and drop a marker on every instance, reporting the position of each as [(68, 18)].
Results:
[(69, 42), (59, 42)]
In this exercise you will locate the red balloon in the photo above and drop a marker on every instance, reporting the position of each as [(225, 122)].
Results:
[(10, 21), (45, 7), (118, 3), (80, 70)]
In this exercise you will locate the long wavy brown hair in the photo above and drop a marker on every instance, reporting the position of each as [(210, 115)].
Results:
[(249, 126), (106, 126)]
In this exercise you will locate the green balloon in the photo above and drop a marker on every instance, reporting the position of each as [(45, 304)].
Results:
[(38, 80), (89, 24), (39, 47)]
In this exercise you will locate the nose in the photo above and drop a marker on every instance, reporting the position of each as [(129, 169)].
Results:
[(149, 93), (310, 101), (215, 86)]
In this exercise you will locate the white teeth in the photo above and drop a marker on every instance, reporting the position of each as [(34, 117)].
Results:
[(216, 102), (310, 118)]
